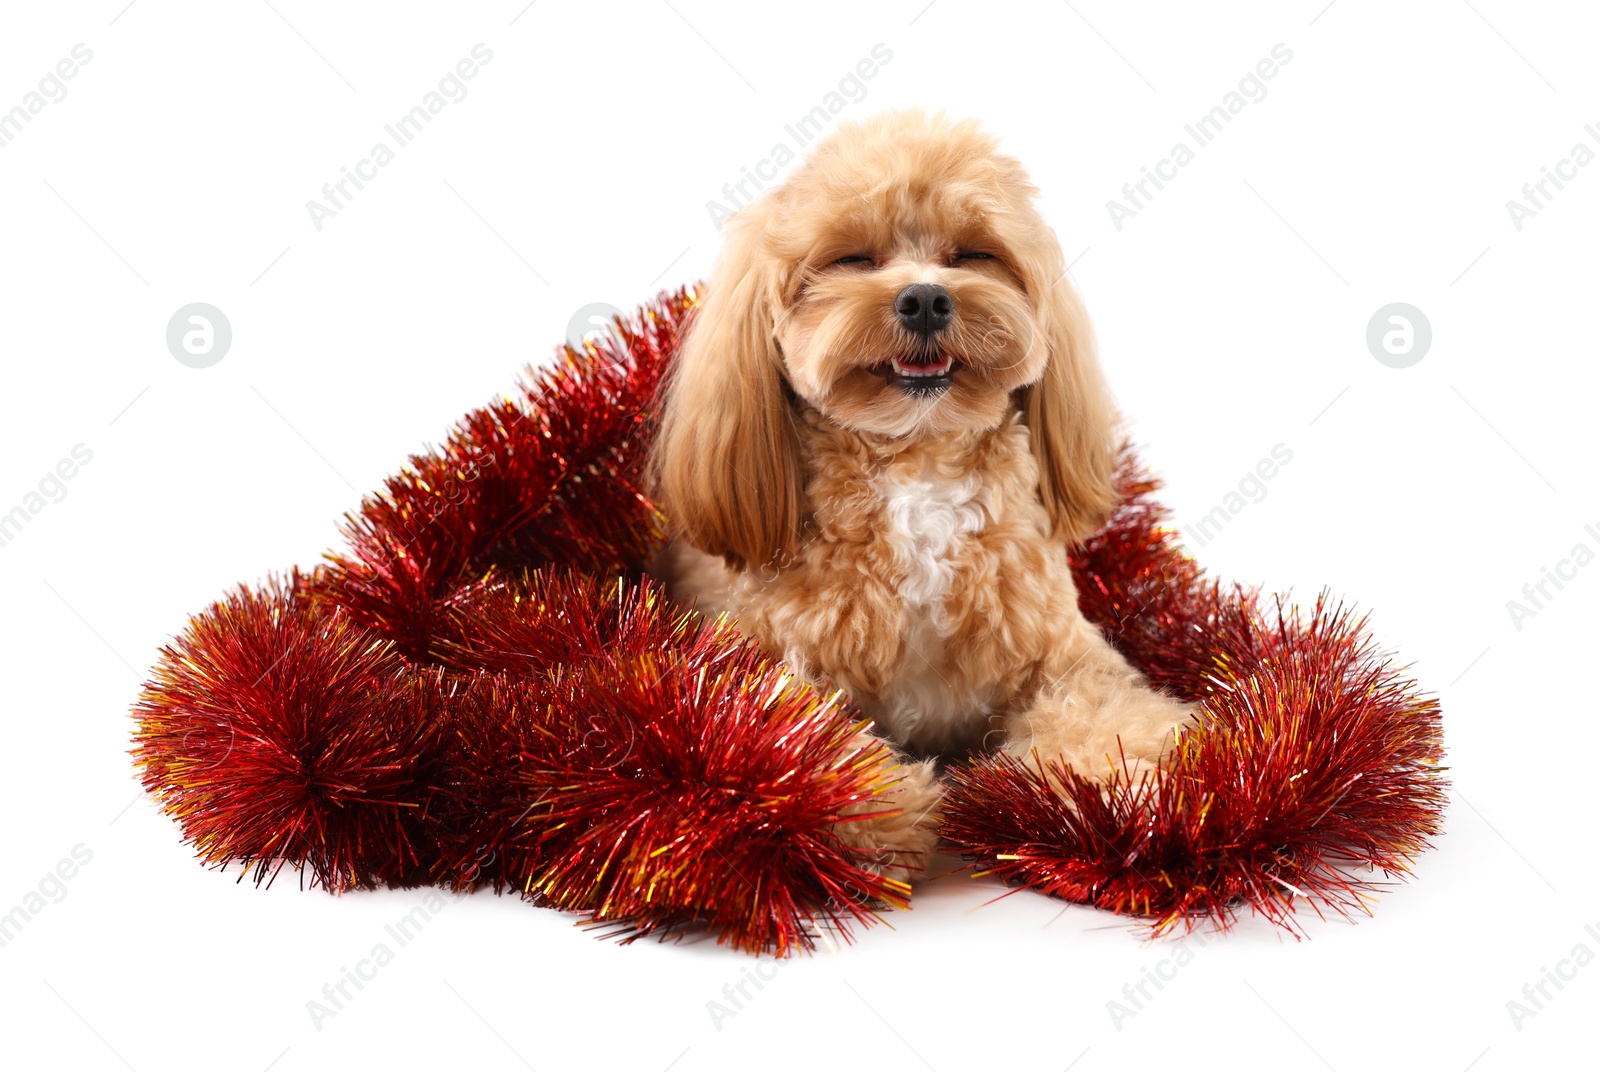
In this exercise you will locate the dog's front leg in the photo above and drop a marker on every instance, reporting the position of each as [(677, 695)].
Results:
[(1097, 714), (894, 834)]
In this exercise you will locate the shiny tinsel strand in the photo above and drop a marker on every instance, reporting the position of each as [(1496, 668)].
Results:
[(551, 476), (278, 732), (481, 690), (1316, 761)]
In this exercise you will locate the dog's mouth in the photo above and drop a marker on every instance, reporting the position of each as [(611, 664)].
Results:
[(919, 374)]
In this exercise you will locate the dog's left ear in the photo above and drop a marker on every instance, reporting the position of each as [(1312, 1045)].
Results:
[(1069, 414), (725, 467)]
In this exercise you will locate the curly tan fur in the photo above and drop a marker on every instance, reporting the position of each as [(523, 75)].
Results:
[(907, 546)]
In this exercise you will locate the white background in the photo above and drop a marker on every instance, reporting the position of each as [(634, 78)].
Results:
[(1232, 315)]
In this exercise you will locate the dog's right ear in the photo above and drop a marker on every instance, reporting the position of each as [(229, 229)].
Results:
[(725, 468)]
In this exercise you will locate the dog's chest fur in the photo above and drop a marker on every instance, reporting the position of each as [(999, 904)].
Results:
[(925, 584), (930, 519)]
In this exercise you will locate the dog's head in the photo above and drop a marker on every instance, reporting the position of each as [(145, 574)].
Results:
[(901, 283)]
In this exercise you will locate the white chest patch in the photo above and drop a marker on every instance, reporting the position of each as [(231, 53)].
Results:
[(928, 518)]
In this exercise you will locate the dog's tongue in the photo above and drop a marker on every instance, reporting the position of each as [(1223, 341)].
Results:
[(922, 365)]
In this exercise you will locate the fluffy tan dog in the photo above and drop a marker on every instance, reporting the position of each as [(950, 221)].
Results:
[(885, 425)]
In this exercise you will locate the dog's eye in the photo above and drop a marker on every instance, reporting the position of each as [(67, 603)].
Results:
[(973, 255), (854, 258)]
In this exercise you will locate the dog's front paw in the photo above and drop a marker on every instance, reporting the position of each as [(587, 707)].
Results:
[(894, 835), (1122, 733)]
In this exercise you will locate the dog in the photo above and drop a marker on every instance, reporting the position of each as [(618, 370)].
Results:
[(884, 427)]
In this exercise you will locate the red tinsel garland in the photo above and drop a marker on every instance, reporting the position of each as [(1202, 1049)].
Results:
[(1315, 757), (482, 690)]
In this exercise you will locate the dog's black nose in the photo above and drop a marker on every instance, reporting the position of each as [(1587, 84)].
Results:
[(924, 309)]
